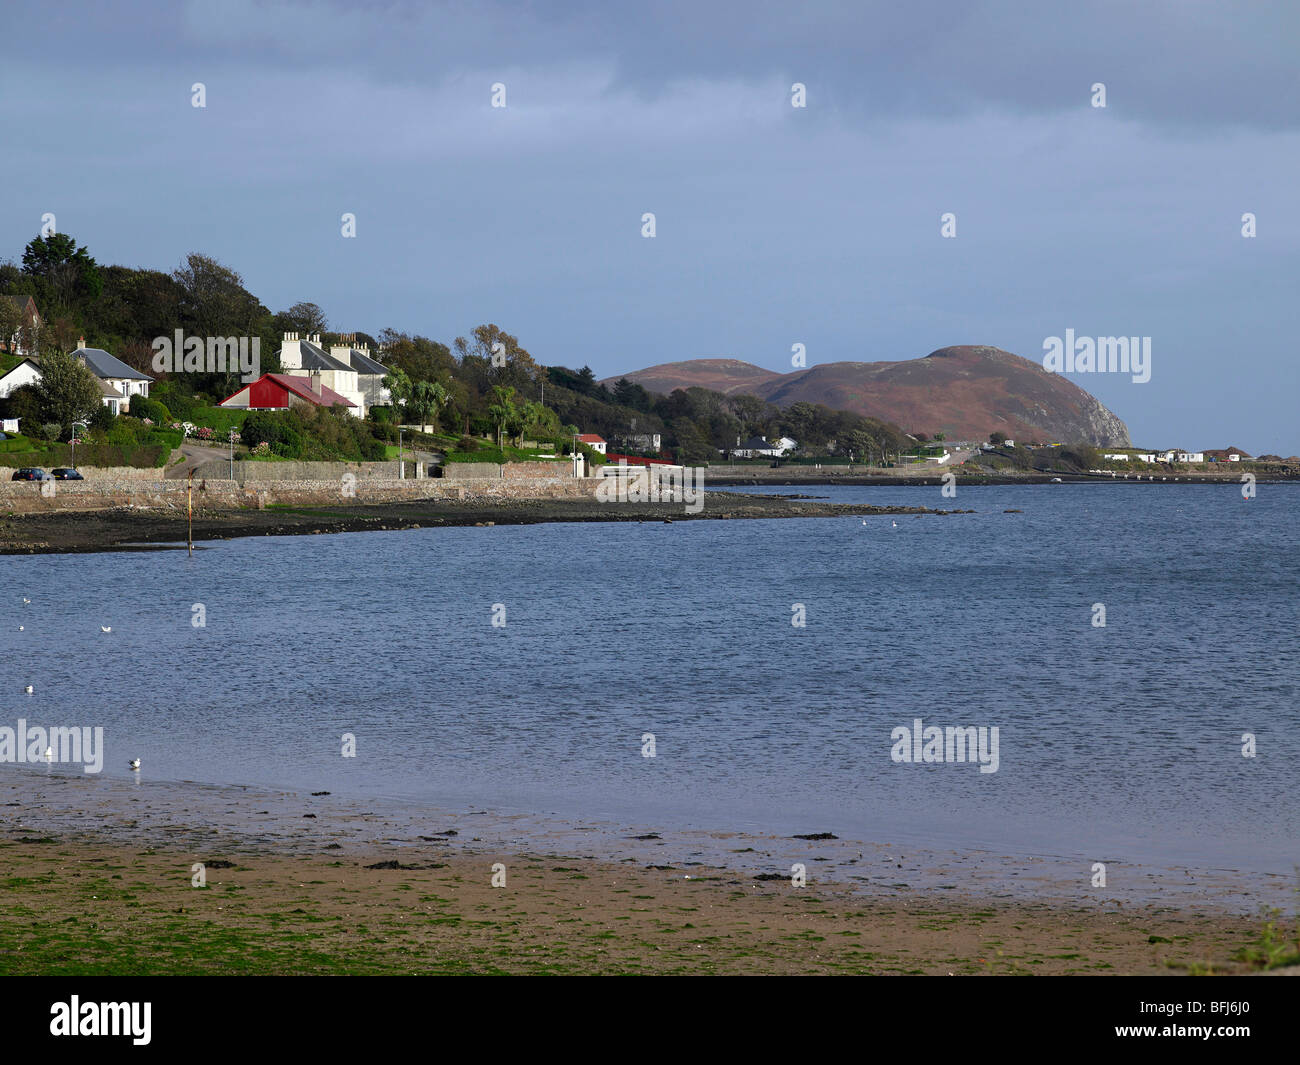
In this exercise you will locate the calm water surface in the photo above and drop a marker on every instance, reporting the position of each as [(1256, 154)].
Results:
[(1115, 741)]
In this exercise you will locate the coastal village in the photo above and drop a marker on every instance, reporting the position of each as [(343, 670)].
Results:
[(124, 428)]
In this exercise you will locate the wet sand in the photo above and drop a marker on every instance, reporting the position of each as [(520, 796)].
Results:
[(96, 876), (138, 529)]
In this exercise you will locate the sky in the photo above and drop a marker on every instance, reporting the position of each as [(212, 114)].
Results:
[(774, 224)]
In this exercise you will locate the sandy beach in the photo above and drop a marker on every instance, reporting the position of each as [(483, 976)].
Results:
[(97, 877)]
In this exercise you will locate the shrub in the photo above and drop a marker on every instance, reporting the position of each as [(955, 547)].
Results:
[(143, 407), (102, 419)]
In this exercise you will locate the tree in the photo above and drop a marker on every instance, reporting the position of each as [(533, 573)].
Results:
[(213, 299), (424, 401), (399, 387), (502, 410), (67, 271), (67, 391), (303, 319), (997, 439)]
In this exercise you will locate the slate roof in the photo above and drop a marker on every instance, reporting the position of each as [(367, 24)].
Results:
[(314, 358), (363, 363), (104, 365)]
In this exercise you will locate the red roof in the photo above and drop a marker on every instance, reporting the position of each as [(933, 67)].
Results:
[(262, 393), (637, 460), (590, 438)]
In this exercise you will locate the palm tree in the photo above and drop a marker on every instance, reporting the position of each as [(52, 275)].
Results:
[(503, 411), (426, 398), (399, 387)]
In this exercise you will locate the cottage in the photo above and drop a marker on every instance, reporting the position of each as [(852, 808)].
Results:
[(757, 446), (118, 381), (276, 391), (596, 443)]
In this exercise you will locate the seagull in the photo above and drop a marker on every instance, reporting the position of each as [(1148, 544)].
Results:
[(135, 764), (49, 754), (20, 628), (26, 600), (106, 628), (29, 689), (895, 525)]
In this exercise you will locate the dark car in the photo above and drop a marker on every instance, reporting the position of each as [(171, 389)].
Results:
[(30, 473), (67, 473)]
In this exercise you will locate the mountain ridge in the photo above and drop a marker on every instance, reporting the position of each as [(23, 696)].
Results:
[(965, 391)]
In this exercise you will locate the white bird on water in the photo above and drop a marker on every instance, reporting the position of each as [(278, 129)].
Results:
[(29, 689), (106, 628), (135, 764), (49, 754), (895, 525), (26, 600)]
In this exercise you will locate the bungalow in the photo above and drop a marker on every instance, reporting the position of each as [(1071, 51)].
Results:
[(23, 340), (1227, 454), (596, 443), (118, 381), (278, 391), (757, 445)]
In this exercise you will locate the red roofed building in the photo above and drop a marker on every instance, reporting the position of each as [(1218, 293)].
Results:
[(278, 391), (596, 443), (636, 460)]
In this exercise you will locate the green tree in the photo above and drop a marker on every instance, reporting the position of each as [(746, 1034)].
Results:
[(68, 273), (502, 410), (67, 391), (399, 387), (424, 402)]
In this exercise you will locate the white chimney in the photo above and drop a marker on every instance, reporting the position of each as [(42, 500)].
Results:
[(81, 343), (314, 378), (290, 353)]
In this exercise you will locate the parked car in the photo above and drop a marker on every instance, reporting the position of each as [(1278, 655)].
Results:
[(67, 473), (30, 473)]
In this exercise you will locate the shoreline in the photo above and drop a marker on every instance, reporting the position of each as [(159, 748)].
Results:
[(98, 879), (117, 529)]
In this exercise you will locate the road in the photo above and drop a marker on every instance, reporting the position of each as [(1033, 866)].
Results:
[(195, 455)]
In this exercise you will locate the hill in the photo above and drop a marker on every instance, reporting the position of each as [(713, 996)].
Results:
[(966, 392)]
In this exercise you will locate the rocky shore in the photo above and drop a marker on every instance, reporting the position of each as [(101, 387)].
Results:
[(117, 529)]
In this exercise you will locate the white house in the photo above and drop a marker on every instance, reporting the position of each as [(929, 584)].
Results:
[(118, 381), (26, 372), (303, 357), (1191, 456), (370, 373), (756, 446), (596, 443)]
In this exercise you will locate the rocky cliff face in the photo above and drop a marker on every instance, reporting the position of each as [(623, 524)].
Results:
[(966, 392)]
